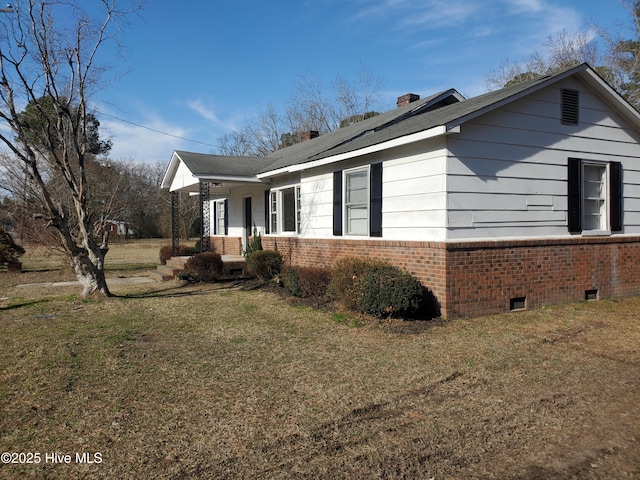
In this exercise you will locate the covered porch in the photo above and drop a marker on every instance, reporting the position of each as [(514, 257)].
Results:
[(213, 178)]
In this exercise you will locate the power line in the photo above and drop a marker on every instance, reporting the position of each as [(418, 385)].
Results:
[(157, 131)]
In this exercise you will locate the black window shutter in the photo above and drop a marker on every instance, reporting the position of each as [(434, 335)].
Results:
[(337, 203), (215, 217), (615, 197), (267, 208), (375, 200), (226, 216), (574, 195)]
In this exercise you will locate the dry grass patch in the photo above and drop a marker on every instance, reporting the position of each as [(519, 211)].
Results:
[(208, 381), (125, 258)]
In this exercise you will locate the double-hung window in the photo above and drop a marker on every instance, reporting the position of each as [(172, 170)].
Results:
[(357, 201), (284, 210), (594, 196)]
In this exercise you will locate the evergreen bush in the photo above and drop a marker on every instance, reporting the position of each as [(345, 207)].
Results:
[(346, 275), (265, 264), (375, 287), (389, 291)]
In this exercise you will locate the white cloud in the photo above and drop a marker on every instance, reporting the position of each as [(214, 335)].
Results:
[(519, 6), (205, 111), (150, 139), (434, 13)]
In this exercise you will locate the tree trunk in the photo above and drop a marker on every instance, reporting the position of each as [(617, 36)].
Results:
[(88, 265)]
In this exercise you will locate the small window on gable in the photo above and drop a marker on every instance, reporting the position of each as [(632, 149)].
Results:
[(570, 107)]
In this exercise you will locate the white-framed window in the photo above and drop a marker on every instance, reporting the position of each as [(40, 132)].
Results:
[(356, 204), (285, 210), (594, 197), (273, 211), (220, 213)]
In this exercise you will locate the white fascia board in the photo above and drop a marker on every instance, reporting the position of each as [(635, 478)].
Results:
[(169, 173), (626, 109), (228, 178), (396, 142)]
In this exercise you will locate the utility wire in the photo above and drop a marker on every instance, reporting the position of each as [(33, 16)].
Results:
[(157, 131)]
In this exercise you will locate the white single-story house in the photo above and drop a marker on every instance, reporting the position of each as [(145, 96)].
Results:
[(518, 198)]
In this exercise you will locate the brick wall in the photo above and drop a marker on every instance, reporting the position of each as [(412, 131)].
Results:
[(482, 277), (226, 245), (475, 278), (424, 260)]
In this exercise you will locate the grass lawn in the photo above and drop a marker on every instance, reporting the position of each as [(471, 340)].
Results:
[(211, 381)]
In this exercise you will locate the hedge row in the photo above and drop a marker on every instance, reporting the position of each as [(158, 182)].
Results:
[(365, 285)]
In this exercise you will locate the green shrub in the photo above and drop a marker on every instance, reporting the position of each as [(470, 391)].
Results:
[(346, 275), (306, 282), (375, 287), (265, 264), (254, 244), (10, 251), (204, 267), (166, 252), (389, 291), (291, 281)]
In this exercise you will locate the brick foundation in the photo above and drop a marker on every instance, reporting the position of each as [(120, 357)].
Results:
[(226, 245), (481, 277)]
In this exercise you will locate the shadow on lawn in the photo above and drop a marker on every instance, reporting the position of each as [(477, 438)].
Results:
[(29, 303), (175, 292)]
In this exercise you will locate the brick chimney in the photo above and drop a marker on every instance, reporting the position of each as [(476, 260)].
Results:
[(407, 99), (308, 135)]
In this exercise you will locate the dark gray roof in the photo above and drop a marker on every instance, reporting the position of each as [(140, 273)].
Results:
[(448, 115), (202, 164), (447, 108), (324, 145)]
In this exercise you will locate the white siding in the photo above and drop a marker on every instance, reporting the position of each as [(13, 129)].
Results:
[(414, 197), (183, 178), (414, 191), (507, 170), (236, 208)]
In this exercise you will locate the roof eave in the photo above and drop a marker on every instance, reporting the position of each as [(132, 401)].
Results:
[(396, 142), (170, 171), (228, 178)]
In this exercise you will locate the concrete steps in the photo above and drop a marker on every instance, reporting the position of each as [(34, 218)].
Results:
[(173, 267)]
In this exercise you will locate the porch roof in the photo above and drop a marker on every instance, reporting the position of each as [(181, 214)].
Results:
[(219, 169)]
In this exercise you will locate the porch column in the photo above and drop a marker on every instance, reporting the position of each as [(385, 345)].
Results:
[(205, 220), (175, 227)]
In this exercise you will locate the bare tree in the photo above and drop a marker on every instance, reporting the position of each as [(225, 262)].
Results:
[(311, 106), (623, 58), (560, 51), (52, 51)]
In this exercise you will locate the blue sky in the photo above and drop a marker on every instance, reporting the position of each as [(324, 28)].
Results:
[(199, 69)]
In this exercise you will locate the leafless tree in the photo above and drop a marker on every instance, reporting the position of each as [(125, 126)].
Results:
[(623, 53), (52, 50), (560, 51), (311, 106)]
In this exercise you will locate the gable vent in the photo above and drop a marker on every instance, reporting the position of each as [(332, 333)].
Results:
[(570, 107)]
